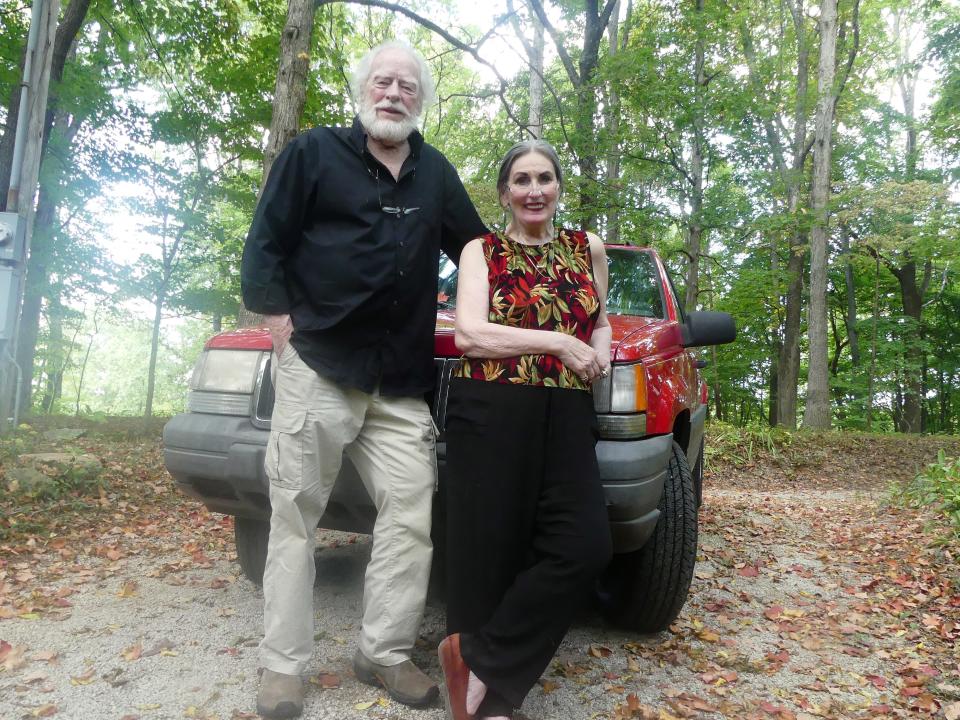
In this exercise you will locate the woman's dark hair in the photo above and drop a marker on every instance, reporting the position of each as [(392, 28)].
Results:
[(524, 147)]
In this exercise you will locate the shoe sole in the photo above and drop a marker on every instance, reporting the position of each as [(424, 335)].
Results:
[(283, 711), (447, 652)]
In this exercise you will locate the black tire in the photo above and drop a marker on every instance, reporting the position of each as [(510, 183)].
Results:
[(251, 538), (645, 590)]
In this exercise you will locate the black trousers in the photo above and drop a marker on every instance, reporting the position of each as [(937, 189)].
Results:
[(527, 530)]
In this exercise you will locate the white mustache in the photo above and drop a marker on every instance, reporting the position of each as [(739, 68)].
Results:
[(387, 105)]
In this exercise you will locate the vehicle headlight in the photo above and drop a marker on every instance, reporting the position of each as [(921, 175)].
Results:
[(620, 400), (624, 390), (628, 391), (230, 371)]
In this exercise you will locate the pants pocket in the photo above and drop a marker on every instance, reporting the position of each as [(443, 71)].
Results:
[(284, 458)]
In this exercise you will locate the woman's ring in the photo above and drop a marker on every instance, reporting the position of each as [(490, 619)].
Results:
[(604, 372), (585, 378)]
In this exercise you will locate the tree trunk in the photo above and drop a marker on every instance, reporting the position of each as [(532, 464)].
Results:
[(55, 360), (912, 294), (86, 360), (617, 42), (871, 378), (535, 116), (36, 288), (788, 364), (21, 198), (10, 134), (290, 91), (695, 227), (817, 414), (289, 97), (850, 320), (154, 349), (791, 176)]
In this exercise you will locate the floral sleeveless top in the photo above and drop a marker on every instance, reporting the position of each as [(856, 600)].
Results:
[(539, 287)]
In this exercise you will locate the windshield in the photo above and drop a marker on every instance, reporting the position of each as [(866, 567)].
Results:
[(634, 288)]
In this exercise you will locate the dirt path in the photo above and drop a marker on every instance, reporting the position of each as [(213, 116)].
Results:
[(809, 602)]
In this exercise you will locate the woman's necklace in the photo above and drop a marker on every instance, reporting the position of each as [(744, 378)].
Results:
[(537, 259)]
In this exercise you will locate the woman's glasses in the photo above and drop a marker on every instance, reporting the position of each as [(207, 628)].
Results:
[(524, 184)]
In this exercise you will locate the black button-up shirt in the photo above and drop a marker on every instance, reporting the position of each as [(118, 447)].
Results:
[(351, 254)]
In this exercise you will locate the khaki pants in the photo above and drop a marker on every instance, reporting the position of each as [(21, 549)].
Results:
[(391, 443)]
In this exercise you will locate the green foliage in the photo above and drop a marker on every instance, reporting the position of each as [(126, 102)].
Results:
[(161, 116), (936, 487)]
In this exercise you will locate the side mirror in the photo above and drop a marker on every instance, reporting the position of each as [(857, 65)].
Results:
[(708, 328)]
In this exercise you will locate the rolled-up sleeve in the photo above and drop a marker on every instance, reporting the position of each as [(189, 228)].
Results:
[(276, 230)]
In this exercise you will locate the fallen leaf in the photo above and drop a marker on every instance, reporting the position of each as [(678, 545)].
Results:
[(548, 686), (162, 647), (132, 653), (84, 679), (128, 589), (326, 681), (12, 657), (44, 711), (599, 651), (773, 612)]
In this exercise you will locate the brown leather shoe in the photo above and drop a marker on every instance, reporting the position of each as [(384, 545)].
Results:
[(280, 696), (404, 682), (456, 674)]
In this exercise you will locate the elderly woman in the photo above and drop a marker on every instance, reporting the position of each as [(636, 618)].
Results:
[(528, 531)]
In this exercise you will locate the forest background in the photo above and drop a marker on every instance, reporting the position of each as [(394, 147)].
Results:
[(796, 164)]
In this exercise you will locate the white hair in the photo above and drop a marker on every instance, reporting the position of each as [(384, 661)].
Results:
[(361, 72)]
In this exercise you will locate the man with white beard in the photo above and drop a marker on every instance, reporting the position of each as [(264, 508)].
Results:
[(341, 259)]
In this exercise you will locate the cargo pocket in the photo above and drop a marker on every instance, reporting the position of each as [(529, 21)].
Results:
[(284, 459)]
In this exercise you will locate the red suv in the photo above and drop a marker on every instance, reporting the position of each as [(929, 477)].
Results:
[(651, 411)]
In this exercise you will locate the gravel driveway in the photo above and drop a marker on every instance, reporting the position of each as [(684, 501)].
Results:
[(782, 623)]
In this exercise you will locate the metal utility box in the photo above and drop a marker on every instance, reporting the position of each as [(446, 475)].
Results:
[(12, 234), (9, 295)]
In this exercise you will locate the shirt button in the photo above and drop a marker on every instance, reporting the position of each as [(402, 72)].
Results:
[(402, 244), (401, 273)]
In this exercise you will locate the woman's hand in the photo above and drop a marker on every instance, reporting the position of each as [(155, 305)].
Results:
[(580, 358)]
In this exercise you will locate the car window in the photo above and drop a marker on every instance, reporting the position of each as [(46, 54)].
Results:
[(446, 284), (634, 288)]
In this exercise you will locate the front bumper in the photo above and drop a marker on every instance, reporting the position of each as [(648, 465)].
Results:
[(219, 460)]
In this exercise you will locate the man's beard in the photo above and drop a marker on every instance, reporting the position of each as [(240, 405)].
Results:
[(385, 129)]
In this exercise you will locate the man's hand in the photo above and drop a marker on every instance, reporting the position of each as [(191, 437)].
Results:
[(280, 329)]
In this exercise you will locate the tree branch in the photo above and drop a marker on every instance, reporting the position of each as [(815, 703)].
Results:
[(575, 79), (852, 54)]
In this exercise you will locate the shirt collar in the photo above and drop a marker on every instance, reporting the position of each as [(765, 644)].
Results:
[(358, 136)]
